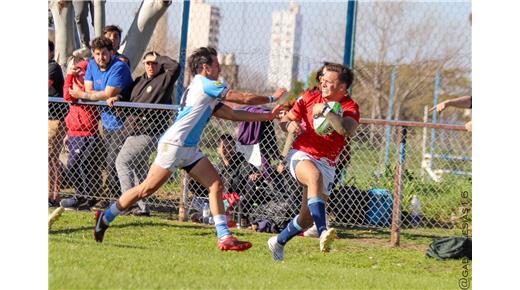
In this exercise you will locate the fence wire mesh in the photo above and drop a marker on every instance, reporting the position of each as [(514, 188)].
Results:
[(105, 163), (268, 44)]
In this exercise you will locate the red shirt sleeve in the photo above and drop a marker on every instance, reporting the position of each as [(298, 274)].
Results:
[(298, 110), (351, 109), (68, 85)]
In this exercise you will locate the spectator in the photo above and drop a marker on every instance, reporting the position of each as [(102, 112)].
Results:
[(82, 141), (144, 127), (461, 102), (56, 127), (107, 77), (113, 32), (81, 11)]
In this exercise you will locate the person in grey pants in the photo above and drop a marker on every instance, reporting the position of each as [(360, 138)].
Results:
[(81, 10), (144, 126)]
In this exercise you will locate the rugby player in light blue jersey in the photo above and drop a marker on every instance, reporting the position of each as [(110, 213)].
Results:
[(178, 147)]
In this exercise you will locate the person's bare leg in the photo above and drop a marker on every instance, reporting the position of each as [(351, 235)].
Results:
[(157, 176), (308, 174), (207, 176)]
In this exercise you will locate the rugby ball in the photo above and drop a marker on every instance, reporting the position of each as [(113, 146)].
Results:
[(321, 125)]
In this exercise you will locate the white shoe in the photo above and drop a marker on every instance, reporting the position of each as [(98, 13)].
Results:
[(312, 232), (276, 248), (326, 239)]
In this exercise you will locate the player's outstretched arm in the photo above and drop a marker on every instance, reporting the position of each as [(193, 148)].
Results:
[(461, 102), (245, 98), (225, 112)]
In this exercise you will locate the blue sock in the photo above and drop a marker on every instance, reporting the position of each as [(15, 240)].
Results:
[(292, 230), (111, 213), (221, 226), (317, 209)]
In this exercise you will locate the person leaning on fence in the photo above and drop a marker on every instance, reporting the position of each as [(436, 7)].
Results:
[(82, 141), (144, 126), (461, 102), (106, 77), (56, 127), (113, 32), (178, 146), (312, 158)]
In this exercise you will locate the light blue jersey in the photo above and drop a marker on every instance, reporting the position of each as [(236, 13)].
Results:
[(197, 104)]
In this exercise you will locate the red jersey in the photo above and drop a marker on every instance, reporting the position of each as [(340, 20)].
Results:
[(308, 141)]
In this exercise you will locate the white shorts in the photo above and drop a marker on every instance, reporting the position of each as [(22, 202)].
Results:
[(328, 172), (172, 157)]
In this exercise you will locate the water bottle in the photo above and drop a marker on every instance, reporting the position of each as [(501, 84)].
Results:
[(206, 213), (416, 211)]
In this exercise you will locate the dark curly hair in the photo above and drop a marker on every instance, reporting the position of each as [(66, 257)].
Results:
[(101, 42), (199, 57), (345, 74)]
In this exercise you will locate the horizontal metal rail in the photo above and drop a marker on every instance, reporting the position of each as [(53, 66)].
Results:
[(118, 104), (412, 124)]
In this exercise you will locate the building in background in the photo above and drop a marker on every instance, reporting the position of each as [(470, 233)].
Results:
[(286, 29), (203, 25), (203, 31), (228, 69)]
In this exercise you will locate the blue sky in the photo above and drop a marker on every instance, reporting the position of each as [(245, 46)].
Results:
[(245, 29)]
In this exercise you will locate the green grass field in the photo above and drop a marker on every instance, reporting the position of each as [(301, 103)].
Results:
[(153, 253)]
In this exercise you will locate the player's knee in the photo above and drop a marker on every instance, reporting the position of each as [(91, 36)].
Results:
[(216, 187)]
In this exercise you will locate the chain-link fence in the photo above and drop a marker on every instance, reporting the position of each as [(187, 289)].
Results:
[(406, 54), (100, 164)]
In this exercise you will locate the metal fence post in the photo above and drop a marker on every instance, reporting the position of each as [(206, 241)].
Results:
[(390, 111), (182, 50), (350, 29), (398, 186), (435, 102)]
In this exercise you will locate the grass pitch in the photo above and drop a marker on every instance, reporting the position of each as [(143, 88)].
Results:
[(157, 253)]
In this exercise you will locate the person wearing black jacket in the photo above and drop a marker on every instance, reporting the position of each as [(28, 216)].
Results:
[(144, 126)]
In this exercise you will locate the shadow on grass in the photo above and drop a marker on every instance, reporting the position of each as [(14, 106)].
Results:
[(106, 244), (364, 233), (126, 225)]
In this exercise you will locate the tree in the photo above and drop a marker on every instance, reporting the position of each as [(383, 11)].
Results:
[(413, 40), (135, 41), (142, 28), (296, 90), (63, 18)]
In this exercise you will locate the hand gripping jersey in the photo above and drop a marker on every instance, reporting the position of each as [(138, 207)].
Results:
[(197, 105), (317, 146)]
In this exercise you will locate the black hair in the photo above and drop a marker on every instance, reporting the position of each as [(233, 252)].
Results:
[(51, 46), (199, 57), (113, 28)]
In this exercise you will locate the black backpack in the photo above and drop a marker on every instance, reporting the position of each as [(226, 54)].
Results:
[(450, 248)]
